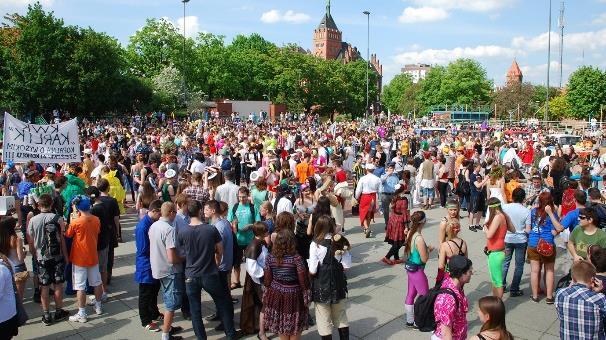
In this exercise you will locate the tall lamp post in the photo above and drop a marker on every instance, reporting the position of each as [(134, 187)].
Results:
[(548, 64), (184, 88), (367, 13)]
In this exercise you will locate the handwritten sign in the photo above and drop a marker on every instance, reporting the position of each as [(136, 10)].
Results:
[(52, 143)]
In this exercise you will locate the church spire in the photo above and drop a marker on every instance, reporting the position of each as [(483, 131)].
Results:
[(327, 8)]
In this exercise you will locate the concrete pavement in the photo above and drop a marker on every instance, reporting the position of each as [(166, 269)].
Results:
[(376, 295)]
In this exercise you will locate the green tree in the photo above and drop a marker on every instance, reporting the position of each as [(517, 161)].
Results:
[(168, 89), (152, 48), (39, 63), (430, 94), (512, 97), (465, 83), (97, 62), (394, 92), (586, 91), (559, 108)]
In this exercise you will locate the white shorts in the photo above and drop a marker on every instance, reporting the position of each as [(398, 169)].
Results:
[(81, 274)]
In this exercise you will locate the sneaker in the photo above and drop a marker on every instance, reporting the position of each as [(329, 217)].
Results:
[(98, 310), (92, 300), (175, 330), (550, 301), (411, 325), (152, 327), (78, 318), (47, 319), (60, 315), (516, 293)]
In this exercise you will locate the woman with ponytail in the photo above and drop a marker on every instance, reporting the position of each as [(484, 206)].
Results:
[(418, 253), (491, 311)]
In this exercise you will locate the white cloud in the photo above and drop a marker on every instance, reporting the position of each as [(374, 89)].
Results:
[(412, 15), (540, 70), (591, 40), (443, 56), (467, 5), (600, 19), (290, 16), (192, 26)]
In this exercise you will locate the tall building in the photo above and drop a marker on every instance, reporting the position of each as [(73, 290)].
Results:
[(514, 75), (328, 44), (416, 71)]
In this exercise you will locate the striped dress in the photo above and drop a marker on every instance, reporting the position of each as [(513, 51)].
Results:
[(287, 295)]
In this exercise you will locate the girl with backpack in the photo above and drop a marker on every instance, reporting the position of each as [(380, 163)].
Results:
[(327, 265), (418, 253)]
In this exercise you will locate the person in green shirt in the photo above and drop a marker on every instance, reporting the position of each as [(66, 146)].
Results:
[(585, 234), (241, 216)]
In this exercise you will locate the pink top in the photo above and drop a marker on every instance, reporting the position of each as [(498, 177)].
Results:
[(446, 312)]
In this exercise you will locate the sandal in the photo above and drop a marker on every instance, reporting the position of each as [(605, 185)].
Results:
[(535, 299), (550, 301), (235, 286)]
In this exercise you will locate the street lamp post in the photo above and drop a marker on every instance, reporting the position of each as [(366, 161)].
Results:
[(183, 88), (548, 64), (367, 13)]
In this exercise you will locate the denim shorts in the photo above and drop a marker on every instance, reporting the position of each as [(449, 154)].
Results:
[(428, 192), (172, 291)]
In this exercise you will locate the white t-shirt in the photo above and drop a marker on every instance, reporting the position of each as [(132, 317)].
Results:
[(317, 253)]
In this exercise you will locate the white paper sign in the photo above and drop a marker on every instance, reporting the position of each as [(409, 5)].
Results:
[(52, 143)]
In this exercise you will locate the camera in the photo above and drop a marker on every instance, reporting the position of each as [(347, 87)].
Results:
[(475, 228)]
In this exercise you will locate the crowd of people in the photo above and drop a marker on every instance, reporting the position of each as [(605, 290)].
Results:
[(224, 205)]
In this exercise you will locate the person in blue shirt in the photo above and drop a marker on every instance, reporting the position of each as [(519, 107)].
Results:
[(148, 286), (389, 180), (542, 229)]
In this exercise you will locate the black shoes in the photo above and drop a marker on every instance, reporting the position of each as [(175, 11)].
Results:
[(60, 315)]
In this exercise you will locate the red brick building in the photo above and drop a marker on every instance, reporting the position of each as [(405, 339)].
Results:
[(328, 44), (514, 75)]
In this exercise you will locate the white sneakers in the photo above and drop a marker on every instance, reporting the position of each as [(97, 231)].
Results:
[(92, 300), (78, 318)]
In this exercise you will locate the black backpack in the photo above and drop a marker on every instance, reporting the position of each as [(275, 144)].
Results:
[(424, 314), (51, 247)]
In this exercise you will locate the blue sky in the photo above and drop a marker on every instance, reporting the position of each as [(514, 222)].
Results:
[(493, 32)]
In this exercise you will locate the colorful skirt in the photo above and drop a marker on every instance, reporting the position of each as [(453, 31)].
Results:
[(284, 309)]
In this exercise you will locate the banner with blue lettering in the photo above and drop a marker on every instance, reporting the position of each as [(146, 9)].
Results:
[(51, 143)]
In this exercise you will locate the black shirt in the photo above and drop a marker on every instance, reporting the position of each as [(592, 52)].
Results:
[(101, 211), (113, 210), (198, 243)]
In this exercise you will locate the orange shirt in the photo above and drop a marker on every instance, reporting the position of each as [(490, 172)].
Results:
[(509, 188), (304, 170), (85, 231)]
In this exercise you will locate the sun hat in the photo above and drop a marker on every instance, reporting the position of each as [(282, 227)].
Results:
[(170, 173), (254, 176)]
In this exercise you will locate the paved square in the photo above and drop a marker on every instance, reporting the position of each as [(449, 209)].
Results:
[(376, 294)]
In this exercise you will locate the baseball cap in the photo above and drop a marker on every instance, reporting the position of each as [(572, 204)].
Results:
[(51, 170), (458, 265), (370, 166), (82, 203)]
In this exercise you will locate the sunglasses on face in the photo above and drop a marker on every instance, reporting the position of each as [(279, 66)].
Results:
[(583, 217)]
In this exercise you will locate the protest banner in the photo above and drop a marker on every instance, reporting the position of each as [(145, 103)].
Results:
[(50, 143)]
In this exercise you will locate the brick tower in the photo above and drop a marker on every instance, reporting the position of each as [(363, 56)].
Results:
[(327, 37), (514, 75)]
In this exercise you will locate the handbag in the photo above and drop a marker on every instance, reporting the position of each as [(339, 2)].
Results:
[(543, 247), (22, 316)]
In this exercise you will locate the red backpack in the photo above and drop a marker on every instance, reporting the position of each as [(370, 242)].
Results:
[(568, 201)]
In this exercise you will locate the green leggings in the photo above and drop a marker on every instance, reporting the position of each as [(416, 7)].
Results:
[(495, 267)]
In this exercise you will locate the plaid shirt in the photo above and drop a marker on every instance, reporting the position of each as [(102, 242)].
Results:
[(581, 312), (197, 193)]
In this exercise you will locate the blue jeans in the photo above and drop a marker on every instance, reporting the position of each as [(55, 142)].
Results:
[(520, 255), (213, 285)]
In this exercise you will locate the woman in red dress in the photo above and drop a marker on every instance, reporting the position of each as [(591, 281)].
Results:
[(397, 226)]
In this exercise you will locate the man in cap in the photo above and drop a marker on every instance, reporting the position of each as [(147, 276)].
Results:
[(366, 194), (83, 255), (389, 180)]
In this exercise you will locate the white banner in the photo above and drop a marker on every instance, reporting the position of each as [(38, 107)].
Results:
[(52, 143)]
